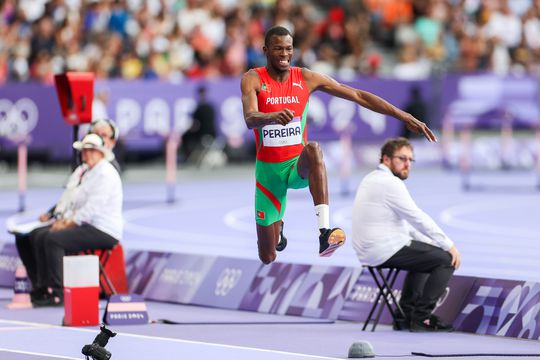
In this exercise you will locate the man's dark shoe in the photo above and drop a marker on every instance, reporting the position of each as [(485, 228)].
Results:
[(49, 299), (38, 294), (282, 244), (431, 324), (330, 240), (441, 325)]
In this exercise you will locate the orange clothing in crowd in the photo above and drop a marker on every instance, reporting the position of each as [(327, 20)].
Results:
[(392, 12)]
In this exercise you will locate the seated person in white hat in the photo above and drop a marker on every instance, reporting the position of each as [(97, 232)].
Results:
[(90, 218), (108, 130)]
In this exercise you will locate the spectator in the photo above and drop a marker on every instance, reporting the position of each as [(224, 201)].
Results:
[(411, 65), (390, 230), (108, 132), (173, 40), (202, 133), (417, 107), (88, 216)]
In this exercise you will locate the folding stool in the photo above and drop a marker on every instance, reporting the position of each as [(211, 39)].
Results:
[(385, 285)]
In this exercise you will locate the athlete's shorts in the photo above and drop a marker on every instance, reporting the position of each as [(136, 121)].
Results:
[(273, 180)]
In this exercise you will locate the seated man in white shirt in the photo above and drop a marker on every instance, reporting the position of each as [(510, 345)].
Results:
[(91, 219), (390, 230)]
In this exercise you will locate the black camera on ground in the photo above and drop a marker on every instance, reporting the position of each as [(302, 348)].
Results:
[(96, 350)]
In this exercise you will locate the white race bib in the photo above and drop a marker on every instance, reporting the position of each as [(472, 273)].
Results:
[(279, 135)]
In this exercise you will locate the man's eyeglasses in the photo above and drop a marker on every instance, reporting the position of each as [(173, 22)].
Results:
[(404, 159)]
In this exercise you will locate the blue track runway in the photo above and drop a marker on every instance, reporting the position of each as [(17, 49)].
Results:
[(496, 231)]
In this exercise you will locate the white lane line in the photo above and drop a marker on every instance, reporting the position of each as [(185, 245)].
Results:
[(159, 338), (236, 347), (38, 354), (18, 322), (11, 328), (235, 219), (171, 233), (168, 234), (455, 216)]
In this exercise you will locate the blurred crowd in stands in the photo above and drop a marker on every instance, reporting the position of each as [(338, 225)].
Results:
[(177, 39)]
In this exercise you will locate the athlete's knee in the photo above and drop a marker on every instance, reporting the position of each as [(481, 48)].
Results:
[(266, 242), (267, 258), (314, 152), (314, 149), (267, 252)]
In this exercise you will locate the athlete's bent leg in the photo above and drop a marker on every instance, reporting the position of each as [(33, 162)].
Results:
[(311, 166), (267, 240)]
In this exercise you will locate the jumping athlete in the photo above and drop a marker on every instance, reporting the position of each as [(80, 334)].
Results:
[(275, 100)]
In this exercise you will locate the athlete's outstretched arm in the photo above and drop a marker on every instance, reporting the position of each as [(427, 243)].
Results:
[(253, 117), (317, 81)]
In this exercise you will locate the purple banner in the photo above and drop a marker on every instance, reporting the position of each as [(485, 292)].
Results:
[(364, 293), (142, 267), (31, 113), (148, 111), (226, 283), (476, 305), (274, 288), (487, 100), (451, 302), (179, 279), (323, 292), (361, 298), (502, 307)]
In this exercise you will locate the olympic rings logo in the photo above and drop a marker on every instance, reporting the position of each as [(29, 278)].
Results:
[(17, 119), (227, 280)]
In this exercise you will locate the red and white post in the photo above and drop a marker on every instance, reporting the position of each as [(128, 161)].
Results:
[(81, 290)]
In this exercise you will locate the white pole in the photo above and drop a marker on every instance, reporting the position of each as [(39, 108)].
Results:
[(447, 139), (465, 163), (345, 165), (537, 167), (171, 148), (22, 171)]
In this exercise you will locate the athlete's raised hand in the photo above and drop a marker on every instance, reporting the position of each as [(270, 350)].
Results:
[(417, 126)]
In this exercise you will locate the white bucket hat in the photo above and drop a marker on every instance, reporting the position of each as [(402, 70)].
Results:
[(93, 141)]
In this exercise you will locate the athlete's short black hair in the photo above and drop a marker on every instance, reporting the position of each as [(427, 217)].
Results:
[(275, 31)]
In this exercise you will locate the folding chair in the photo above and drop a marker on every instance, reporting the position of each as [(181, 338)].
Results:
[(106, 280), (385, 285)]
